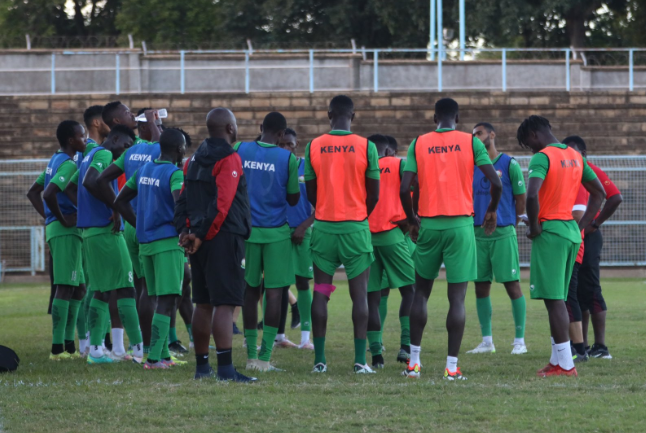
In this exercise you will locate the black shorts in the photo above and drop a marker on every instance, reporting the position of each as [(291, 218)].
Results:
[(590, 297), (572, 302), (218, 275)]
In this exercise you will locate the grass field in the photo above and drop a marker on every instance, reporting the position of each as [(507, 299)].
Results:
[(502, 393)]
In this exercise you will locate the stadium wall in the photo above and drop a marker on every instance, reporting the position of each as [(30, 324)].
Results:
[(612, 122)]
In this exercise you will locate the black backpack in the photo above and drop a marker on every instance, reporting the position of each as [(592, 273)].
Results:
[(8, 360)]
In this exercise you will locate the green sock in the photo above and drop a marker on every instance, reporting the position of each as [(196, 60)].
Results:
[(97, 319), (189, 329), (159, 334), (172, 335), (251, 336), (383, 311), (404, 321), (360, 351), (72, 317), (81, 320), (130, 319), (165, 351), (319, 350), (304, 301), (518, 310), (483, 305), (267, 345), (60, 312), (374, 340)]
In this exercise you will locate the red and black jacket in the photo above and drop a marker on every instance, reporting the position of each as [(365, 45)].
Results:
[(214, 196)]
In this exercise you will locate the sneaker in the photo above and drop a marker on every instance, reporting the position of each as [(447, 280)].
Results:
[(169, 363), (363, 369), (558, 371), (251, 364), (578, 357), (484, 348), (102, 360), (456, 375), (403, 356), (63, 356), (236, 330), (599, 351), (204, 374), (177, 347), (238, 377), (118, 357), (159, 365), (296, 317), (306, 346), (265, 366), (378, 362), (518, 349), (413, 371), (285, 344), (549, 367), (75, 355), (177, 362), (191, 345), (320, 368)]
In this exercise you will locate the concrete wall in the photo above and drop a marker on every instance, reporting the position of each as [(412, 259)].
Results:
[(29, 72), (612, 122)]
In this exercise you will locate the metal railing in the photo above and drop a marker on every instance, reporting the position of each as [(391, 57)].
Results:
[(437, 60)]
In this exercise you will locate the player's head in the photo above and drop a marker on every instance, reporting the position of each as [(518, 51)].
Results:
[(273, 127), (71, 135), (485, 132), (392, 143), (120, 138), (221, 123), (446, 111), (289, 140), (341, 107), (93, 119), (576, 143), (145, 128), (116, 113), (187, 139), (173, 144), (382, 144), (535, 133)]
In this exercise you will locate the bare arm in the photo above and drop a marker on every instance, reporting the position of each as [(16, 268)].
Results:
[(122, 205), (534, 228), (372, 194), (51, 198), (103, 182), (490, 219), (34, 197), (521, 199), (597, 194), (292, 199), (311, 187), (608, 209), (71, 191), (404, 196)]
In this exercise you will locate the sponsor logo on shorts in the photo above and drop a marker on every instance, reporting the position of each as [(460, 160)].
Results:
[(311, 268), (130, 277), (513, 271), (531, 287), (73, 275)]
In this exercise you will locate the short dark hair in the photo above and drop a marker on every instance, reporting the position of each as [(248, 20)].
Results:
[(392, 143), (108, 112), (65, 131), (274, 122), (446, 108), (169, 138), (290, 131), (187, 137), (531, 124), (341, 105), (488, 126), (380, 141), (92, 113), (575, 139), (122, 130)]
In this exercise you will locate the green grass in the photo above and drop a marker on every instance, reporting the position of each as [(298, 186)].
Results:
[(502, 393)]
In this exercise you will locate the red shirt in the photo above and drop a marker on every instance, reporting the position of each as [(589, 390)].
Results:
[(581, 204), (608, 185)]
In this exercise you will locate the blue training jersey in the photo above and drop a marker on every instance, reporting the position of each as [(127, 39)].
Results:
[(267, 172), (157, 210), (137, 156), (92, 212), (481, 196), (303, 210), (64, 203)]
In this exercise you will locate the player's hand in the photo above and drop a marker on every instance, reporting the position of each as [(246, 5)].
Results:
[(524, 219), (151, 116), (298, 235), (116, 222), (413, 230), (182, 239), (489, 223), (590, 229), (195, 245), (69, 220), (534, 231)]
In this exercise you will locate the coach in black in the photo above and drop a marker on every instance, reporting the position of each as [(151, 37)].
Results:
[(213, 219)]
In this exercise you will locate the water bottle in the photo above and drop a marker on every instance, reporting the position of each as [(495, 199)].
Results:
[(161, 114)]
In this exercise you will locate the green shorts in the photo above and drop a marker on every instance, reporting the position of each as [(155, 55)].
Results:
[(393, 267), (68, 261), (108, 263), (455, 247), (132, 243), (352, 250), (551, 263), (412, 246), (164, 272), (302, 256), (498, 259), (271, 259)]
